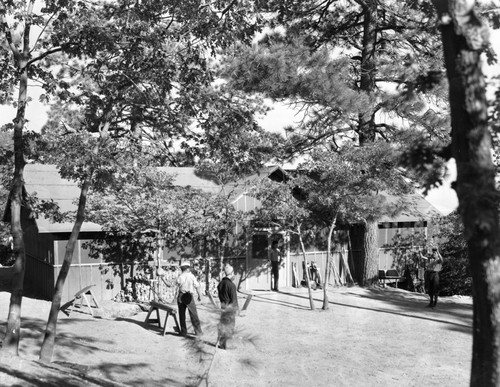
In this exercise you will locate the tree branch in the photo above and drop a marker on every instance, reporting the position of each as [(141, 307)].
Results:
[(51, 51), (8, 35)]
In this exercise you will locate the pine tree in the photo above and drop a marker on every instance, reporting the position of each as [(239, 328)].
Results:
[(357, 71)]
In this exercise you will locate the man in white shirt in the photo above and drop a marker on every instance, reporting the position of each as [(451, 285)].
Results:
[(187, 284)]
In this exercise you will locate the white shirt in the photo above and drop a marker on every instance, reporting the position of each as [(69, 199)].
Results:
[(435, 263), (187, 283)]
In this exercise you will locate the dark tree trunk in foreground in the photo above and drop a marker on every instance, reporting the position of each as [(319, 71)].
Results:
[(10, 343), (48, 344), (464, 36)]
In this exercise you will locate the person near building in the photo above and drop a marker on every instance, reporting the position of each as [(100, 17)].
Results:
[(276, 257), (187, 286), (433, 266), (228, 298)]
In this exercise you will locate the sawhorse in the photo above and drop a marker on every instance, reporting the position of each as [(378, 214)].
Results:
[(86, 295), (156, 306)]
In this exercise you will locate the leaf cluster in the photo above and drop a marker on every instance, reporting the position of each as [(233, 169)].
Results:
[(315, 57), (425, 160), (347, 184), (144, 210)]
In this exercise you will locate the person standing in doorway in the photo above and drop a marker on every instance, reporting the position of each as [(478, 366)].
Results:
[(434, 265), (187, 285), (276, 257), (228, 298)]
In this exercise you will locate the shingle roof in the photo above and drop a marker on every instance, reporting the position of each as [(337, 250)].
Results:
[(238, 188), (45, 181), (417, 209), (186, 177)]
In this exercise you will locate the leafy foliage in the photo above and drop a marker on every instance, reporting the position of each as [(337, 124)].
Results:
[(456, 277), (340, 184), (144, 211), (425, 160), (315, 55)]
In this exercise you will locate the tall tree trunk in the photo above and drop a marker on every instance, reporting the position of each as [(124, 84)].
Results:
[(47, 349), (464, 36), (366, 128), (367, 132), (327, 265), (308, 282), (370, 253), (10, 343)]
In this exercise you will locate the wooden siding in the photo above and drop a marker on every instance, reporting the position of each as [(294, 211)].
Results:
[(40, 280), (246, 203), (80, 276), (319, 258)]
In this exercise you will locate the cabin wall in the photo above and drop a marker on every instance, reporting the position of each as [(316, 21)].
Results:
[(45, 255), (389, 232)]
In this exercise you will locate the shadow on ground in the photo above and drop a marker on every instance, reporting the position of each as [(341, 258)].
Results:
[(20, 371), (457, 316)]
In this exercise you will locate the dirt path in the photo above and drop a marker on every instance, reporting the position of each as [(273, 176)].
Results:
[(369, 337)]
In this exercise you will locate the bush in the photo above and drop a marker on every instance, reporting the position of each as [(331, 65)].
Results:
[(456, 277), (6, 255)]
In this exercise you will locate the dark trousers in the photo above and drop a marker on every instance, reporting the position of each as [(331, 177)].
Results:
[(227, 324), (186, 301), (433, 286), (275, 273)]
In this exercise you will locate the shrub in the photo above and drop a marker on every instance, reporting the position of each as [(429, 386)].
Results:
[(6, 255), (455, 278)]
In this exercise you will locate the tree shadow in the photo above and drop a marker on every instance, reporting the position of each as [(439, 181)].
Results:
[(268, 300), (152, 326), (418, 302), (70, 345), (418, 310)]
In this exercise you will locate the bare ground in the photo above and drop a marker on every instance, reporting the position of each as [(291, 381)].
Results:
[(367, 337)]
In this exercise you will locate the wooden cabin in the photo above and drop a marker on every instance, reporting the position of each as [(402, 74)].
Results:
[(46, 241)]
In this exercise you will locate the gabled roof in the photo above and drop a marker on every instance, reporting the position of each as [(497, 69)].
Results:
[(417, 209), (186, 177), (240, 187), (46, 183)]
